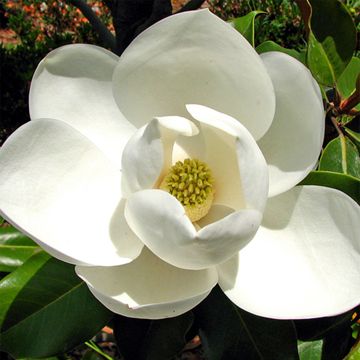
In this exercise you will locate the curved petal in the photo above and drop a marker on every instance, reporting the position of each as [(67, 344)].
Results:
[(73, 84), (61, 190), (238, 166), (293, 143), (159, 220), (148, 287), (305, 260), (167, 67), (148, 153)]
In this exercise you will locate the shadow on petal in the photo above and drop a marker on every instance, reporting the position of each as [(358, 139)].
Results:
[(278, 213), (216, 213), (229, 271), (123, 238)]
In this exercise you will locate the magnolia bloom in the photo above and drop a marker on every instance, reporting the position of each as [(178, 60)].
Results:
[(173, 168)]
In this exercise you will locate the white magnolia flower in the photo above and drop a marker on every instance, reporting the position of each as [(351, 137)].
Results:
[(89, 177)]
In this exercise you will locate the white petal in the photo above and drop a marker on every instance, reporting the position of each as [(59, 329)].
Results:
[(73, 84), (159, 220), (148, 287), (148, 153), (305, 260), (194, 57), (293, 143), (59, 188), (238, 166)]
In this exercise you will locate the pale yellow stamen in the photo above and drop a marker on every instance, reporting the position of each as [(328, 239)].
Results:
[(191, 183)]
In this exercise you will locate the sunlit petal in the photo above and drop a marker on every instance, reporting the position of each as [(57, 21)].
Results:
[(159, 220), (293, 143), (59, 188), (304, 262), (74, 84), (193, 57), (148, 287)]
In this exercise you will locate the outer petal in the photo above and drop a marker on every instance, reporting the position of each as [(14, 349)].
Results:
[(238, 166), (56, 186), (293, 143), (167, 67), (148, 287), (305, 260), (159, 220), (149, 152), (73, 84)]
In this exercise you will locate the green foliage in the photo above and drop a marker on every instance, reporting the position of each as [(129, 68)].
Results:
[(144, 339), (15, 248), (45, 294), (310, 350), (347, 80), (334, 333), (267, 46), (231, 333), (328, 53), (281, 23), (245, 25), (341, 156)]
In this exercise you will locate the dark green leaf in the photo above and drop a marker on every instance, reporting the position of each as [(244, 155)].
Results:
[(46, 309), (15, 248), (345, 183), (347, 81), (1, 221), (338, 342), (228, 332), (342, 156), (334, 330), (310, 350), (92, 355), (355, 136), (245, 25), (354, 353), (332, 40), (151, 339), (316, 329), (267, 46)]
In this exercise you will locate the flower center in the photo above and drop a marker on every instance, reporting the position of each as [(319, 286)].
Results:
[(191, 183)]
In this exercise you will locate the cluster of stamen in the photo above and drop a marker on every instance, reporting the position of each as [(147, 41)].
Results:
[(191, 183)]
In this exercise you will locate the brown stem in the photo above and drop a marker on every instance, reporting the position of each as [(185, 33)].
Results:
[(104, 33), (305, 10)]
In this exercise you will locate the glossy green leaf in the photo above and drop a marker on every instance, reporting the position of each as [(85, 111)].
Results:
[(142, 339), (354, 353), (347, 81), (310, 350), (345, 183), (334, 331), (341, 155), (267, 46), (46, 309), (332, 40), (228, 332), (245, 25), (15, 248), (338, 342), (355, 136)]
